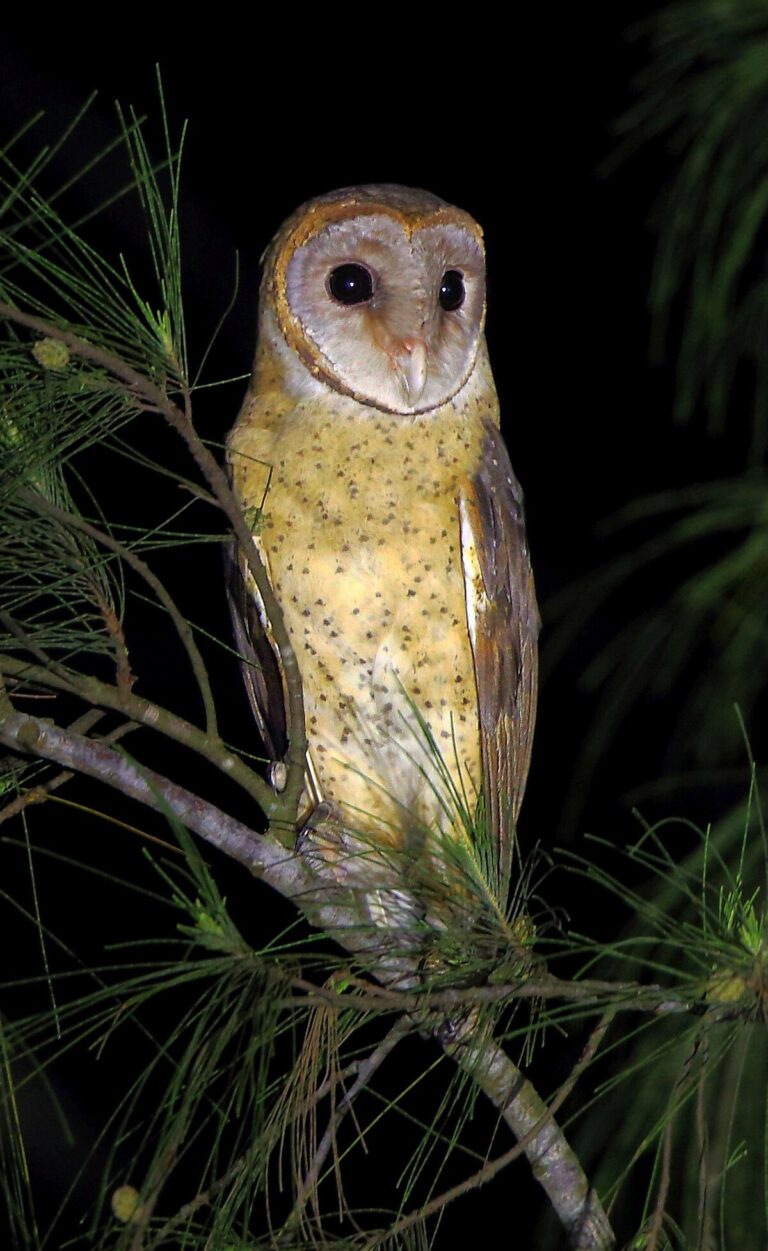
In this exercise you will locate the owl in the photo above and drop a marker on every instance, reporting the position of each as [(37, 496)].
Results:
[(390, 525)]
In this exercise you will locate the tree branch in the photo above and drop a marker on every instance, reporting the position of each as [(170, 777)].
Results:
[(591, 995), (155, 398), (553, 1161), (146, 713), (493, 1167), (37, 794), (331, 902), (262, 854), (312, 885)]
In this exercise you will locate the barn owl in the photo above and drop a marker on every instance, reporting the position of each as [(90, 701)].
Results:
[(390, 524)]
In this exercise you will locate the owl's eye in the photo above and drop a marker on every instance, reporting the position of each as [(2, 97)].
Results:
[(350, 284), (452, 290)]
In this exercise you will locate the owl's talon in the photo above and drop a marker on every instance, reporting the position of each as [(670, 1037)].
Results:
[(277, 775), (323, 814), (453, 1031)]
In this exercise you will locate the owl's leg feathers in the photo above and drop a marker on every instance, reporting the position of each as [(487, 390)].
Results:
[(376, 875), (373, 881)]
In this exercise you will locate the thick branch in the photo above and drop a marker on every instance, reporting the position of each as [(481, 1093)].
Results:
[(493, 1167), (262, 854), (37, 794), (311, 886), (553, 1161), (311, 883)]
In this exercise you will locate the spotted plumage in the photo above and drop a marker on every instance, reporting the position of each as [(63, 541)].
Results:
[(389, 522)]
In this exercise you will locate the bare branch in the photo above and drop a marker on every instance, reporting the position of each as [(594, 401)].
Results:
[(596, 995), (262, 854), (553, 1161), (494, 1167), (15, 629), (114, 628), (312, 884), (219, 484), (37, 794), (203, 1199), (312, 888)]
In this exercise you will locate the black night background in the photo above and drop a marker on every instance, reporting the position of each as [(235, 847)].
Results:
[(522, 138)]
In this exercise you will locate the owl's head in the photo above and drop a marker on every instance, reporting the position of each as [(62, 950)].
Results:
[(380, 291)]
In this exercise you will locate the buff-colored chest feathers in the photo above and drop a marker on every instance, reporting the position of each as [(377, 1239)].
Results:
[(359, 525)]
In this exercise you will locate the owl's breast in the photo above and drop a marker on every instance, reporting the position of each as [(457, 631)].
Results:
[(361, 531)]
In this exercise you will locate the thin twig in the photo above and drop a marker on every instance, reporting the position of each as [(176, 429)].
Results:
[(124, 678), (366, 1069), (219, 484), (205, 1197), (201, 1200), (624, 996), (152, 715), (652, 1238), (702, 1135), (42, 505), (679, 1087), (48, 662)]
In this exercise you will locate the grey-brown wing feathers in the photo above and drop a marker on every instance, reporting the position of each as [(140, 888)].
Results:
[(503, 624), (260, 663)]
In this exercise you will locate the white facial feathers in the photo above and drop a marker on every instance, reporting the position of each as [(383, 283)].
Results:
[(405, 336)]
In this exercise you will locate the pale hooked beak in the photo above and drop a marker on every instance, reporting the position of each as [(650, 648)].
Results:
[(411, 364)]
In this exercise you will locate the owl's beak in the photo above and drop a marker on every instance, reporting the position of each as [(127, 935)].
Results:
[(411, 364)]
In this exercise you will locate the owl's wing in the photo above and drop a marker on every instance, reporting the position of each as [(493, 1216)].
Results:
[(260, 661), (503, 623)]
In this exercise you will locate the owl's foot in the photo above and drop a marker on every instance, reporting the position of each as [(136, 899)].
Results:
[(371, 877), (322, 824), (456, 1030)]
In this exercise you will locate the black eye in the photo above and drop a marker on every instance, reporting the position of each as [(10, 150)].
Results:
[(452, 290), (350, 284)]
